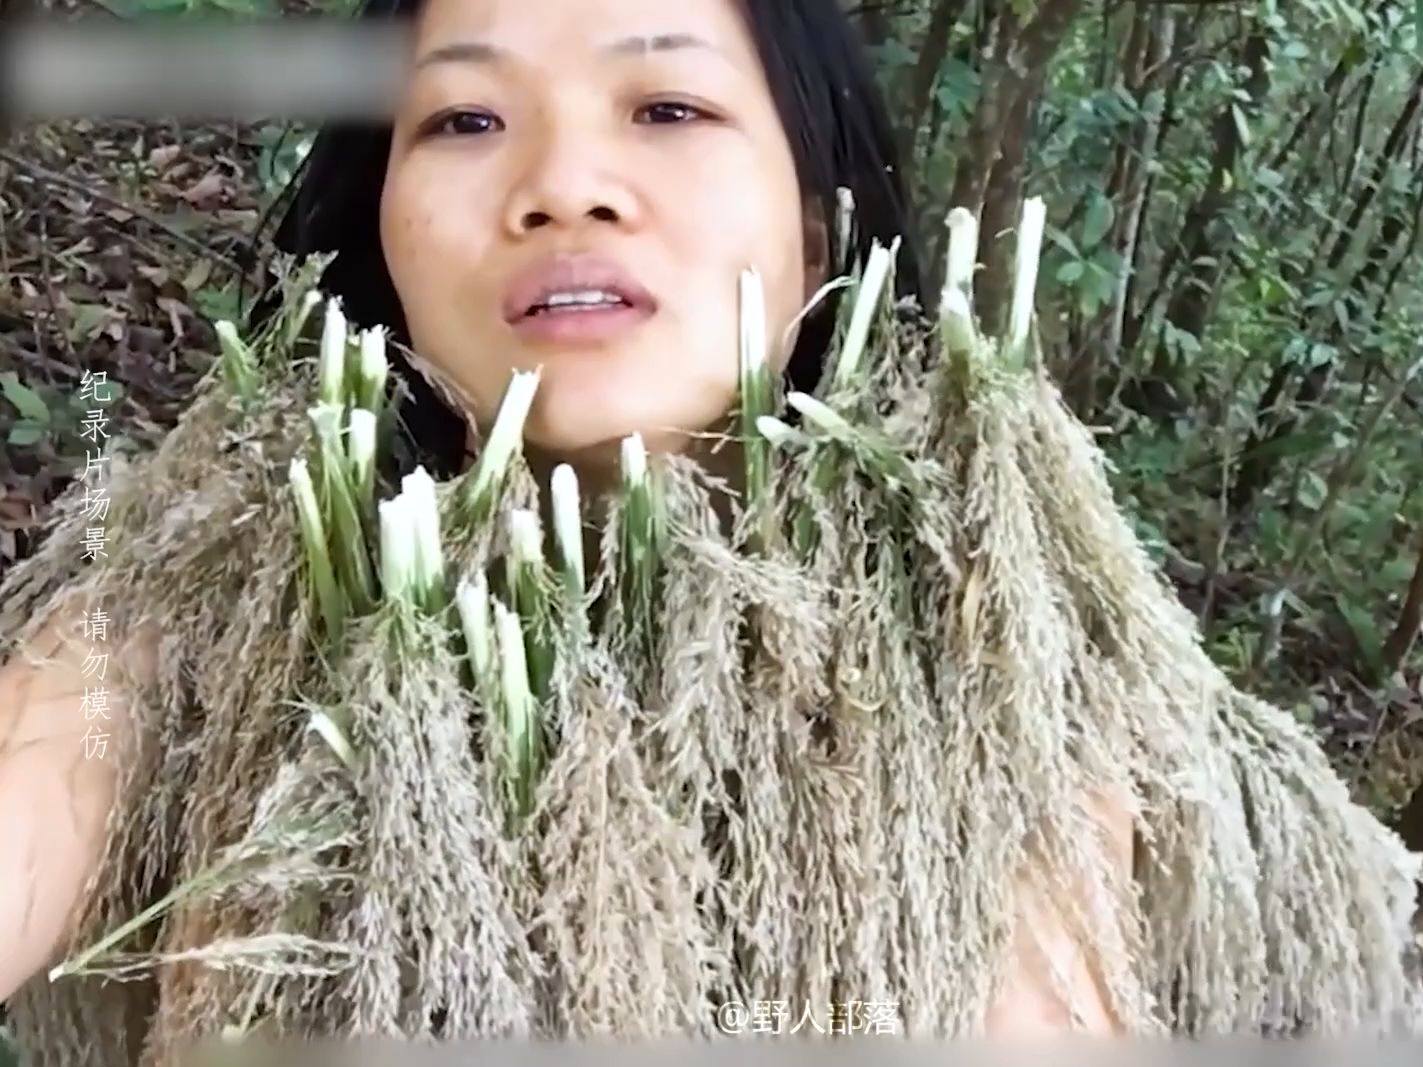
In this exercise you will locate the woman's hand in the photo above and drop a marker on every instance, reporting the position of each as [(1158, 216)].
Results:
[(1031, 1004), (55, 802)]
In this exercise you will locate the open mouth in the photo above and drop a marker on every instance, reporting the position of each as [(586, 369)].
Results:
[(565, 323), (578, 304), (576, 299)]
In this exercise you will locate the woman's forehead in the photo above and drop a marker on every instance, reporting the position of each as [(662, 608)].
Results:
[(495, 30)]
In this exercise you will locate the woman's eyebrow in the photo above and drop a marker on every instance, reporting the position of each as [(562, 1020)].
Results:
[(483, 52)]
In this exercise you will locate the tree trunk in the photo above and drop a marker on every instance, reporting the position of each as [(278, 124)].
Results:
[(1256, 467), (1199, 251), (932, 51), (1002, 204), (1014, 70), (874, 23), (1144, 71)]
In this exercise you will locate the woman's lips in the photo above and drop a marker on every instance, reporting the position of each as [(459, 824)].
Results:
[(581, 325)]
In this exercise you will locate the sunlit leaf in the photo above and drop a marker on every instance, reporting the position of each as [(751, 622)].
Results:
[(1312, 491), (1099, 221), (26, 400)]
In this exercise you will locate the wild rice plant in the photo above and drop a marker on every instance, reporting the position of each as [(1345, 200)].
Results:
[(808, 753)]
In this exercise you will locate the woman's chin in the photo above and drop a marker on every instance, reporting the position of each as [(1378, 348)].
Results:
[(586, 433)]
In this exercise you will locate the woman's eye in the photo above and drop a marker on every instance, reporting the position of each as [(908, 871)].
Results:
[(670, 111), (456, 123)]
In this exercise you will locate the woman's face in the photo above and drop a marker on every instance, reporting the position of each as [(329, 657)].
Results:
[(624, 147)]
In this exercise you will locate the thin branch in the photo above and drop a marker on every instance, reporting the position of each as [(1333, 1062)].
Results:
[(44, 174), (1334, 485)]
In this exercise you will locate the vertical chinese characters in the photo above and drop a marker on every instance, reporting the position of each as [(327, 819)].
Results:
[(95, 387)]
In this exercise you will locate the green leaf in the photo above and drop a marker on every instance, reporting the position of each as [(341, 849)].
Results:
[(25, 399), (1101, 282), (25, 433), (1099, 220), (1312, 491), (1341, 315), (1070, 271), (1062, 241), (88, 322)]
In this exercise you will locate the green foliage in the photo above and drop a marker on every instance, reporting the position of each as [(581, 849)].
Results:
[(1274, 289), (34, 414)]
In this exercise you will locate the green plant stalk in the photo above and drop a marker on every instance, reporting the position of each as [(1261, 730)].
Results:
[(1016, 350), (868, 297), (473, 604), (296, 325), (781, 434), (845, 226), (825, 471), (330, 598), (757, 392), (876, 457), (423, 513), (341, 511), (504, 443), (238, 363), (963, 252), (956, 324), (397, 551), (850, 346), (640, 539), (528, 590), (361, 460), (568, 534), (221, 873), (523, 747), (373, 371), (324, 726), (335, 346)]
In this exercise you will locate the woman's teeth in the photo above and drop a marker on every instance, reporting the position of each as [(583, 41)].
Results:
[(587, 300)]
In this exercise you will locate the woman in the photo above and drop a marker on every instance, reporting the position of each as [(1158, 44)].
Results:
[(572, 186)]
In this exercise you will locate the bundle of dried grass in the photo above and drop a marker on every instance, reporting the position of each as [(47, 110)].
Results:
[(797, 742)]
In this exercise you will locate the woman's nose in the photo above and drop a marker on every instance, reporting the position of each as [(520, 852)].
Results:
[(567, 179)]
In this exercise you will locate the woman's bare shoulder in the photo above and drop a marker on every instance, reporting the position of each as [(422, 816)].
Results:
[(72, 674)]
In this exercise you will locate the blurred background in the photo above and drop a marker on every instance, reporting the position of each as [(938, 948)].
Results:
[(1232, 293)]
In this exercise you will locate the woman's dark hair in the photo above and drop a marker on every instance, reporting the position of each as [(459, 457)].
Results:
[(835, 120)]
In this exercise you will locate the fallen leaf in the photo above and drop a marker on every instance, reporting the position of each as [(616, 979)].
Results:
[(198, 276), (88, 321), (205, 190), (175, 311), (162, 157)]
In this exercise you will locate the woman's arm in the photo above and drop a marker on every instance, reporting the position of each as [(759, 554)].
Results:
[(54, 802), (1030, 1004)]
